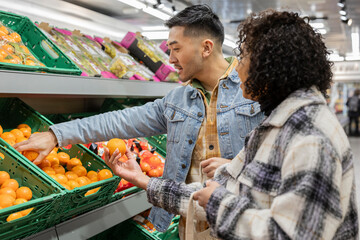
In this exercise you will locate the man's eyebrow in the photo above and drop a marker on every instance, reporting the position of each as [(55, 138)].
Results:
[(171, 43)]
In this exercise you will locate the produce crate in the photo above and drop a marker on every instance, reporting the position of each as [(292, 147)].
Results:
[(45, 201), (111, 104), (13, 112), (130, 230), (39, 45), (124, 193), (160, 69)]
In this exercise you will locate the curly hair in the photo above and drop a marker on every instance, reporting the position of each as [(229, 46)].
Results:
[(286, 54)]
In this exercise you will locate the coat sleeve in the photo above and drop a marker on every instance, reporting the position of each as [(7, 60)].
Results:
[(143, 121), (173, 196), (314, 198)]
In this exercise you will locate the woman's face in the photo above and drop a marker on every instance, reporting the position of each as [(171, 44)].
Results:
[(243, 72)]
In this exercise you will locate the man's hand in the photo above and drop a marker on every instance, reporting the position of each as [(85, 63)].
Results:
[(42, 143), (210, 165), (203, 195), (129, 170)]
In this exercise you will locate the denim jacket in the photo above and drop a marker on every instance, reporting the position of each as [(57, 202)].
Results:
[(179, 114)]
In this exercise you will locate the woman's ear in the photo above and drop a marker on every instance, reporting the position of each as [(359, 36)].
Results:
[(207, 48)]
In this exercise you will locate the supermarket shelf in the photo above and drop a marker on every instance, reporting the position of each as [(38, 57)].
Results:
[(25, 84), (98, 220)]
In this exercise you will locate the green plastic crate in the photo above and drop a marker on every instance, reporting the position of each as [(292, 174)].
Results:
[(39, 45), (130, 230), (159, 142), (45, 200), (13, 112)]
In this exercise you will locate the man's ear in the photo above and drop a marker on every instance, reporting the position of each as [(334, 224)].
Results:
[(207, 48)]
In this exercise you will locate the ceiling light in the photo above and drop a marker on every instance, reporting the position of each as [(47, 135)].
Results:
[(154, 28), (349, 22), (341, 3), (156, 13), (230, 43), (355, 43), (156, 35), (322, 31), (133, 3), (343, 18), (317, 25), (343, 11)]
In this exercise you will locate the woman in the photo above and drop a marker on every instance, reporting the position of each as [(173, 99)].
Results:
[(294, 179)]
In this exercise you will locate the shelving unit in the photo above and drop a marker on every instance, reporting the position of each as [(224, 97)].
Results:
[(54, 88)]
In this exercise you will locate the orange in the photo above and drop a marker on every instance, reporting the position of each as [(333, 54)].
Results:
[(53, 159), (65, 185), (154, 173), (2, 156), (44, 163), (92, 175), (8, 135), (62, 179), (79, 170), (71, 175), (63, 158), (24, 192), (26, 211), (16, 37), (26, 50), (31, 155), (26, 132), (14, 216), (54, 151), (4, 176), (20, 139), (73, 184), (82, 181), (116, 143), (6, 201), (8, 48), (10, 142), (8, 191), (154, 161), (19, 201), (72, 163), (23, 125), (92, 191), (49, 170), (3, 31), (145, 167), (30, 63), (1, 130), (104, 174), (11, 183), (59, 169), (17, 133)]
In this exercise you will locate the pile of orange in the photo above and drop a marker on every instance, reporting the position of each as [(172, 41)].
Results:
[(11, 194), (12, 49), (21, 133)]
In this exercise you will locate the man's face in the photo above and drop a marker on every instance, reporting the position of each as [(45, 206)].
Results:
[(185, 53)]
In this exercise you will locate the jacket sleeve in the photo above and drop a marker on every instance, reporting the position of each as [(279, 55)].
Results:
[(315, 196), (173, 196), (143, 121)]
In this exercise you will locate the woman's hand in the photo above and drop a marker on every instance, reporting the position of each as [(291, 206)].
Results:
[(203, 195), (129, 170)]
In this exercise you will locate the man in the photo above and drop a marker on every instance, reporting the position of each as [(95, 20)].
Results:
[(206, 120)]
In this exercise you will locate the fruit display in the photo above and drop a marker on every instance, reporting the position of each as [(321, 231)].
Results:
[(12, 194), (66, 170), (13, 50), (125, 66)]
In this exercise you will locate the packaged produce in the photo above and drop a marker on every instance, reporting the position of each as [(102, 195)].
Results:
[(13, 50), (125, 66)]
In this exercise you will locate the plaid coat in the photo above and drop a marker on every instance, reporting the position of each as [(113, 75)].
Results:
[(294, 179)]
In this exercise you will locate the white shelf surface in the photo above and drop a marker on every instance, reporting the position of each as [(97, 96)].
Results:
[(94, 222), (14, 83)]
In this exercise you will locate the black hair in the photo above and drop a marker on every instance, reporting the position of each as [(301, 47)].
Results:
[(286, 54), (198, 20)]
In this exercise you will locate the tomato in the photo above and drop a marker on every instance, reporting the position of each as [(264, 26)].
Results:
[(154, 173), (145, 167), (154, 161)]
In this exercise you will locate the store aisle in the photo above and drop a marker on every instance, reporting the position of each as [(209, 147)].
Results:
[(355, 146)]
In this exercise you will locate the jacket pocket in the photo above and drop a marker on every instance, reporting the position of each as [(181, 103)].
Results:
[(175, 124), (248, 117)]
